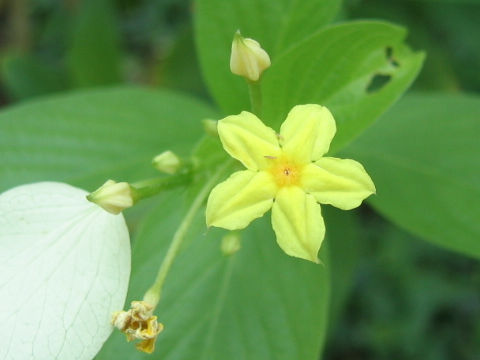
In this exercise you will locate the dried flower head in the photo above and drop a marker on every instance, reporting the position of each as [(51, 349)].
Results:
[(139, 323)]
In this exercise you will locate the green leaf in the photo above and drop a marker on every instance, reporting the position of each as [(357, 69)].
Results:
[(180, 70), (438, 71), (344, 236), (256, 304), (423, 157), (26, 76), (94, 57), (86, 137), (339, 67), (277, 25)]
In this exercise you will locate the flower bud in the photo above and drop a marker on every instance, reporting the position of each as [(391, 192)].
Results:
[(167, 162), (112, 196), (248, 59), (210, 127), (230, 243)]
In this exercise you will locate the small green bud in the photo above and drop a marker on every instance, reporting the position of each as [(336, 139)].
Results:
[(231, 243), (112, 196), (248, 59), (210, 127), (167, 162)]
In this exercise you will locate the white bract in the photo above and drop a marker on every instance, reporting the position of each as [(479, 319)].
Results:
[(65, 266)]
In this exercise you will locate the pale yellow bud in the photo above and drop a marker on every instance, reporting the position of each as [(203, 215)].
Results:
[(210, 127), (230, 243), (167, 162), (112, 196), (248, 59)]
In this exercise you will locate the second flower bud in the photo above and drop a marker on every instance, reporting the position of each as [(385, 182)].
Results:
[(248, 59)]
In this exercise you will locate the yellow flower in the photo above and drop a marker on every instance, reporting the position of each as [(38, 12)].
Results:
[(288, 173)]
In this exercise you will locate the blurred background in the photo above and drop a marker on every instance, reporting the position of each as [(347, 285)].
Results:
[(408, 299)]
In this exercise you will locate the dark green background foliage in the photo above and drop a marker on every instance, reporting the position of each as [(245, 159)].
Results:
[(92, 89)]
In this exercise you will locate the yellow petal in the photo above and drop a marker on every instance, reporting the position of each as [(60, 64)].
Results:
[(248, 140), (243, 197), (298, 223), (343, 183), (307, 132), (147, 346)]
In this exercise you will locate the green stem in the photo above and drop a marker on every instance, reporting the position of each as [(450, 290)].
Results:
[(255, 97), (152, 296), (147, 188)]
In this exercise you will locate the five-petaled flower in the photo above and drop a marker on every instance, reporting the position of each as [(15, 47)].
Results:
[(288, 173)]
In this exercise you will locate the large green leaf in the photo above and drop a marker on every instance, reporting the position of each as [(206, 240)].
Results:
[(277, 25), (423, 156), (344, 237), (256, 304), (438, 71), (180, 70), (85, 137), (342, 67)]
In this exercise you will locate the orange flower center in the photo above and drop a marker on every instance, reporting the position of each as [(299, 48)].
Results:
[(285, 172)]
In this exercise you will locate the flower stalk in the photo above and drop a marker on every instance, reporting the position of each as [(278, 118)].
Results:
[(115, 197), (151, 187), (255, 93), (139, 323), (153, 294)]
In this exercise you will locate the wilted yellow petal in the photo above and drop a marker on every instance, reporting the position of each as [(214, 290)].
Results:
[(243, 197), (307, 132), (298, 223), (248, 140), (146, 346), (343, 183)]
